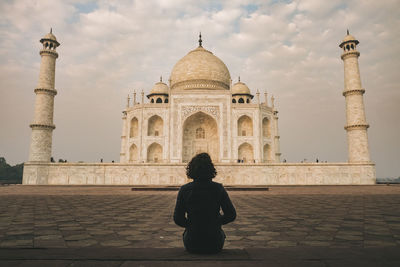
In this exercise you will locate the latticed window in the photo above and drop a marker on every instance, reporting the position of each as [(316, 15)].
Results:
[(200, 134)]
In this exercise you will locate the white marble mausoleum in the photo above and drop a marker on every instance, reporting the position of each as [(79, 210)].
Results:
[(198, 110)]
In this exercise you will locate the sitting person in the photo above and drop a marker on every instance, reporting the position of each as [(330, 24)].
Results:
[(198, 208)]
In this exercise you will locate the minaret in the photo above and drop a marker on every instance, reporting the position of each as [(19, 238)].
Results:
[(356, 124), (42, 125)]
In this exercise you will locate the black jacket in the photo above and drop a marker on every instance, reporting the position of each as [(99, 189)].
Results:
[(198, 208)]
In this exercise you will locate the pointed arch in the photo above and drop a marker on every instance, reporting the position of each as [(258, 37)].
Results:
[(154, 153), (155, 126), (266, 126), (133, 132), (133, 153), (245, 152), (245, 126), (200, 134), (267, 153)]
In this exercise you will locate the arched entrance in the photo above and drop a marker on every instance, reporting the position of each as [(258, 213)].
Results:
[(133, 153), (134, 128), (245, 126), (154, 153), (245, 153), (200, 134), (155, 126), (267, 153), (266, 125)]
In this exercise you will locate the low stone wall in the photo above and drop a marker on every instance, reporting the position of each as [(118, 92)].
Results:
[(175, 174)]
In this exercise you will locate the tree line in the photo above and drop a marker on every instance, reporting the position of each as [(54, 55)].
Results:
[(10, 174)]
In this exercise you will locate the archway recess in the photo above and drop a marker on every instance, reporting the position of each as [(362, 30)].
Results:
[(134, 127), (133, 153), (245, 126), (155, 126), (200, 134), (266, 126), (245, 153), (154, 153), (267, 153)]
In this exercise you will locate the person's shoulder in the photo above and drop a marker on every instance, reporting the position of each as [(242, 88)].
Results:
[(218, 185), (186, 186)]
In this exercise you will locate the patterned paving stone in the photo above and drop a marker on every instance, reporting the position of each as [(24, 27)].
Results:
[(281, 217), (129, 232), (349, 237), (234, 238), (77, 237), (115, 243), (49, 243), (377, 243), (316, 243), (81, 243), (48, 237), (16, 243), (256, 238), (281, 243), (46, 232), (137, 238)]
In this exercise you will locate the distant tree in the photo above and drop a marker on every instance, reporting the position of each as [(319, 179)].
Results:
[(10, 174)]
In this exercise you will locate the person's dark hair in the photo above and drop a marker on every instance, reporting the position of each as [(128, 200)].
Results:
[(201, 168)]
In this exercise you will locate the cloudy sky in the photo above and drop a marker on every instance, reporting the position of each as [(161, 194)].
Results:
[(288, 48)]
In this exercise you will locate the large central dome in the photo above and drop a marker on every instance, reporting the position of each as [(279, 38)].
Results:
[(200, 69)]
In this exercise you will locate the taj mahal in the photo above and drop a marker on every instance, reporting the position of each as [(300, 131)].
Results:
[(199, 109)]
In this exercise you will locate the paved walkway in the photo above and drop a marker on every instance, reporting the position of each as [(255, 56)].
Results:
[(335, 218)]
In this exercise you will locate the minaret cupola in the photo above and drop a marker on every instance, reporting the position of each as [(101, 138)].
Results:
[(241, 93), (159, 93), (349, 45), (49, 42)]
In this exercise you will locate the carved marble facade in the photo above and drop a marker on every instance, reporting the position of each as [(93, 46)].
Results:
[(202, 121)]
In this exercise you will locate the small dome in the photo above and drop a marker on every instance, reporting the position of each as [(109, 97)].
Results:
[(348, 38), (159, 88), (200, 69), (50, 36), (240, 88)]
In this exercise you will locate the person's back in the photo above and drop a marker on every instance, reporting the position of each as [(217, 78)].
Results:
[(198, 208)]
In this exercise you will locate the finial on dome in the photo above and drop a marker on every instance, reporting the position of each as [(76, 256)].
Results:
[(239, 78), (161, 79), (200, 41), (348, 32), (51, 30)]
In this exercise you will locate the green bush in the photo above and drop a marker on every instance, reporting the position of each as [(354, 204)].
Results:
[(10, 174)]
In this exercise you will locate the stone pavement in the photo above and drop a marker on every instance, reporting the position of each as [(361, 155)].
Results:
[(66, 219)]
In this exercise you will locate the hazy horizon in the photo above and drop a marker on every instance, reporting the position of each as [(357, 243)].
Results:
[(288, 48)]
